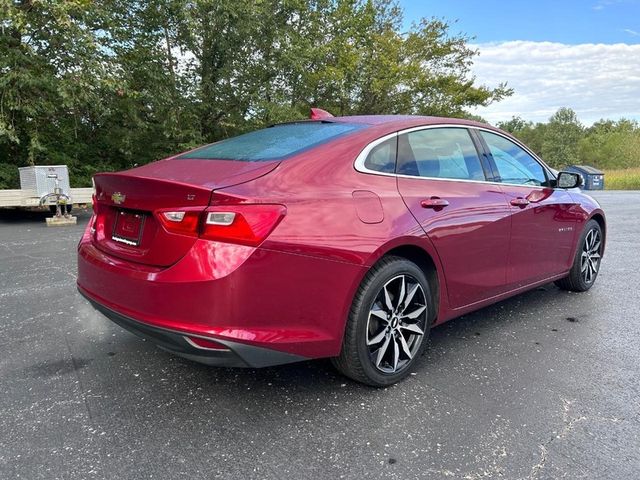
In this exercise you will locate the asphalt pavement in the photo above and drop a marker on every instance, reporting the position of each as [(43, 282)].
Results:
[(542, 386)]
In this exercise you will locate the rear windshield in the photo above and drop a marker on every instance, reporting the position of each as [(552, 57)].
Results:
[(274, 142)]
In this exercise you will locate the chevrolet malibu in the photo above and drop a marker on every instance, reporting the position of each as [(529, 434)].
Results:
[(339, 237)]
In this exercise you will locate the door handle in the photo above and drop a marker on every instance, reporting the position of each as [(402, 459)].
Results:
[(519, 202), (434, 202)]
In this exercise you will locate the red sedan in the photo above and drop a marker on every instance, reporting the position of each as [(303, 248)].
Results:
[(341, 237)]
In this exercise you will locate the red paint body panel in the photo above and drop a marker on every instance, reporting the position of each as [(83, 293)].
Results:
[(230, 292), (293, 292), (542, 233), (201, 172), (471, 234)]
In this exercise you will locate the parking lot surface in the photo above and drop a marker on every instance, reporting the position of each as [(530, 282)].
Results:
[(544, 385)]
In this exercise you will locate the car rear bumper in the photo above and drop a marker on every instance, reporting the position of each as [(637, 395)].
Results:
[(235, 355), (251, 300)]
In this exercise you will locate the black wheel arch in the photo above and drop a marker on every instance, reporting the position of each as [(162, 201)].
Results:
[(598, 217), (425, 262)]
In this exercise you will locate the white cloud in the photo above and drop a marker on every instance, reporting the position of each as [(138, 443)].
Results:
[(595, 80), (602, 4), (633, 33)]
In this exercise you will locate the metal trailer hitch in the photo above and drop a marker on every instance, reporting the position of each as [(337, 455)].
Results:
[(58, 196), (62, 216)]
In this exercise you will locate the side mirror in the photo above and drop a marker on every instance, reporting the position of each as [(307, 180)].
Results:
[(569, 180)]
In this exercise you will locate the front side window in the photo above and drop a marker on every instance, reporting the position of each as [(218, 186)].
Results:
[(439, 153), (514, 164), (273, 143)]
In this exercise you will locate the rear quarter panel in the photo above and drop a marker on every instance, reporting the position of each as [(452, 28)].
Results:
[(322, 210), (323, 221)]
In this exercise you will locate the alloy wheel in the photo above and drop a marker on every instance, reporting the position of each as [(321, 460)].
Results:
[(590, 258), (396, 324)]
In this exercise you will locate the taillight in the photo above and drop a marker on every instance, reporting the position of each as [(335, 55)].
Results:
[(245, 224), (183, 222)]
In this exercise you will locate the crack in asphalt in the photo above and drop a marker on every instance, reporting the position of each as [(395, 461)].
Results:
[(568, 423)]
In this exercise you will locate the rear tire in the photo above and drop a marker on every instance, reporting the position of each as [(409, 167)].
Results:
[(586, 263), (388, 325)]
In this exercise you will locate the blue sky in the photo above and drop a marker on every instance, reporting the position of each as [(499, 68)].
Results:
[(564, 21), (565, 53)]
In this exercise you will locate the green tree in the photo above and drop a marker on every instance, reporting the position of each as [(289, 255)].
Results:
[(532, 135), (562, 135), (150, 107), (106, 85), (52, 73), (365, 64), (609, 144), (515, 125), (259, 62)]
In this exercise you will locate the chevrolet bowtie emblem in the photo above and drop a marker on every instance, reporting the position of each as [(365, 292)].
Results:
[(118, 198)]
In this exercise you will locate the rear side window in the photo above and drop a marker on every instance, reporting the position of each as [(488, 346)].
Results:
[(273, 143), (439, 153), (382, 157)]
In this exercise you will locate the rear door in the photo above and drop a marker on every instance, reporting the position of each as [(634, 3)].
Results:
[(543, 223), (443, 182)]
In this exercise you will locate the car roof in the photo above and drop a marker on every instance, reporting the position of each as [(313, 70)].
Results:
[(404, 121)]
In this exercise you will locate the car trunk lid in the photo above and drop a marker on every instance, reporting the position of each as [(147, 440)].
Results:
[(127, 204)]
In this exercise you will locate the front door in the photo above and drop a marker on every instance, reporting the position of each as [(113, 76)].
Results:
[(543, 223)]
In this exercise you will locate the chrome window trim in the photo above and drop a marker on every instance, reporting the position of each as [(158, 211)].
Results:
[(362, 156)]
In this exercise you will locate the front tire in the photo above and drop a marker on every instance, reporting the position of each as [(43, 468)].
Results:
[(388, 323), (586, 263)]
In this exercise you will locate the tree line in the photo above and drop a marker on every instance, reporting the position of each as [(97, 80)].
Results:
[(106, 85), (563, 140)]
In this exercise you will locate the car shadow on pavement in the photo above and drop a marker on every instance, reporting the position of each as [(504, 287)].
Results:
[(135, 377), (445, 342), (20, 216)]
